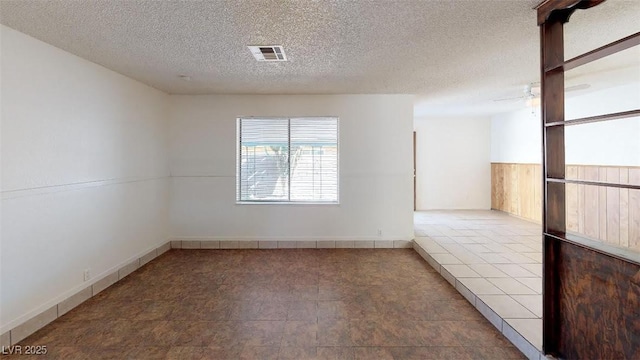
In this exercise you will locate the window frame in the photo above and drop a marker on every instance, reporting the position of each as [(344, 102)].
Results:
[(238, 201)]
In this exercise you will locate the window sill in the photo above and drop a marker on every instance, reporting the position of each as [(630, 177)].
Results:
[(288, 203)]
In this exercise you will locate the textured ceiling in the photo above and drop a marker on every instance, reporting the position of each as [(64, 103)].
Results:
[(455, 55)]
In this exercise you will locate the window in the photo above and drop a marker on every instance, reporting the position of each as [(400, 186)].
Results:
[(287, 160)]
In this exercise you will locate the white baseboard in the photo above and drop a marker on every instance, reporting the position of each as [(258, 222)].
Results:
[(213, 243)]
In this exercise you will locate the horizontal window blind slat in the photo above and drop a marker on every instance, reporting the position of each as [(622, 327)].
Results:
[(282, 159)]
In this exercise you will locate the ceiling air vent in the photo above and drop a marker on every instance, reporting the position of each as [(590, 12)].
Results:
[(268, 53)]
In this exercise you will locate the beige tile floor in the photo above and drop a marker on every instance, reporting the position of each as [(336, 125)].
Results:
[(495, 261)]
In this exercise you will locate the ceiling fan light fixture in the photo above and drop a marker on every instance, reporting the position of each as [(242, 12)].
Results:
[(536, 89), (533, 102)]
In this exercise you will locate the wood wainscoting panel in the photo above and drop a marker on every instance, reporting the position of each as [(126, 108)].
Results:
[(624, 208), (602, 205), (591, 204), (525, 181), (513, 190), (497, 186), (581, 201), (634, 210), (592, 326), (607, 214), (537, 187), (517, 189), (634, 219), (572, 200), (612, 210)]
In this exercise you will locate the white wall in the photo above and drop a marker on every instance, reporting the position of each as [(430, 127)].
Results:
[(452, 163), (607, 143), (84, 174), (375, 170), (516, 136)]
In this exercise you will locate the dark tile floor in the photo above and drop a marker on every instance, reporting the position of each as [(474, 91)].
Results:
[(277, 304)]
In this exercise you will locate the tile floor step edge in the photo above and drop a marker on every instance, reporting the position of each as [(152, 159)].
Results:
[(519, 341)]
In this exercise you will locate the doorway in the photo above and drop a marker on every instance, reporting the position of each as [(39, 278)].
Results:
[(414, 171)]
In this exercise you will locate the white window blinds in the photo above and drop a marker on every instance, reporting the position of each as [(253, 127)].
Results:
[(287, 160)]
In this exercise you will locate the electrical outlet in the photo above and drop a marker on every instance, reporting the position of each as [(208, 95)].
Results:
[(86, 274), (379, 232)]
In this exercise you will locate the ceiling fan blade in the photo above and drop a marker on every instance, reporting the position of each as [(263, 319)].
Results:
[(533, 91), (577, 87), (511, 98)]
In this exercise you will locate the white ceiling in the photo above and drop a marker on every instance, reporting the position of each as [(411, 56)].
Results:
[(456, 55)]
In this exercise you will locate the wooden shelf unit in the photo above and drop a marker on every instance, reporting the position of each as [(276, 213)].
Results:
[(598, 118), (591, 291)]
